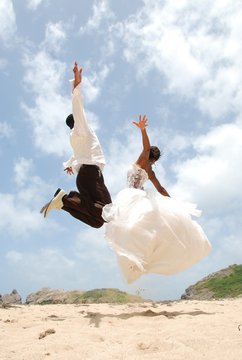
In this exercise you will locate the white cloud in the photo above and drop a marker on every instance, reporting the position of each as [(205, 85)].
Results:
[(214, 175), (196, 46), (21, 170), (20, 214), (14, 256), (92, 245), (101, 12), (18, 218), (48, 73), (47, 116), (225, 234), (7, 21), (55, 36), (37, 267), (93, 83), (34, 4), (6, 130)]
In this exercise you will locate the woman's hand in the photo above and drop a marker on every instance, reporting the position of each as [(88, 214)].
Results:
[(69, 170), (142, 123)]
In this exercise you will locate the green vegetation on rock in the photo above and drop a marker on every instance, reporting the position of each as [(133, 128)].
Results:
[(226, 283), (107, 296)]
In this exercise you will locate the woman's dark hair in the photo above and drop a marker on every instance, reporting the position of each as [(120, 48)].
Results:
[(154, 153), (70, 121)]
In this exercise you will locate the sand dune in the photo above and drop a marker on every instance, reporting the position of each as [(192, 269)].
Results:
[(189, 330)]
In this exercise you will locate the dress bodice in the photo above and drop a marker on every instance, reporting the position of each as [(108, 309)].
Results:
[(136, 177)]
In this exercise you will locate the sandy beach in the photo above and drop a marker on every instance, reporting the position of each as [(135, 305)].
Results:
[(189, 330)]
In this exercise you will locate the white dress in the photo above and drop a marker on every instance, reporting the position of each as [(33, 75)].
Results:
[(152, 233)]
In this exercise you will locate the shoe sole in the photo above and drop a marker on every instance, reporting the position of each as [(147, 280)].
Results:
[(45, 208)]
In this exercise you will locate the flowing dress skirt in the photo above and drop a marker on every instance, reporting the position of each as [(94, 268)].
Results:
[(151, 233)]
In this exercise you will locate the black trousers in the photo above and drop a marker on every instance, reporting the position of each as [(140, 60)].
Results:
[(86, 205)]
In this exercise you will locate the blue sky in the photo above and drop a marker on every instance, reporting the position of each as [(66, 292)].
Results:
[(177, 61)]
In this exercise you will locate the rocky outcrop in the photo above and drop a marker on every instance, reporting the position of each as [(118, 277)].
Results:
[(11, 299), (225, 283), (192, 293), (53, 296)]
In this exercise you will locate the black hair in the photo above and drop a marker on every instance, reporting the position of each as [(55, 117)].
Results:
[(70, 121), (154, 153)]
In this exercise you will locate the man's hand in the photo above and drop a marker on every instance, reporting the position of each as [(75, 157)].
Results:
[(77, 74), (142, 123), (69, 170)]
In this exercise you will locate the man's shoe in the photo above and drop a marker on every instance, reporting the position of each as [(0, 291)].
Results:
[(55, 203)]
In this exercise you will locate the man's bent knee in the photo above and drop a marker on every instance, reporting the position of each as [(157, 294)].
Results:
[(98, 224)]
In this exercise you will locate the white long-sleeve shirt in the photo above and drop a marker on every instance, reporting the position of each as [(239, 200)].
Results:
[(84, 142)]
